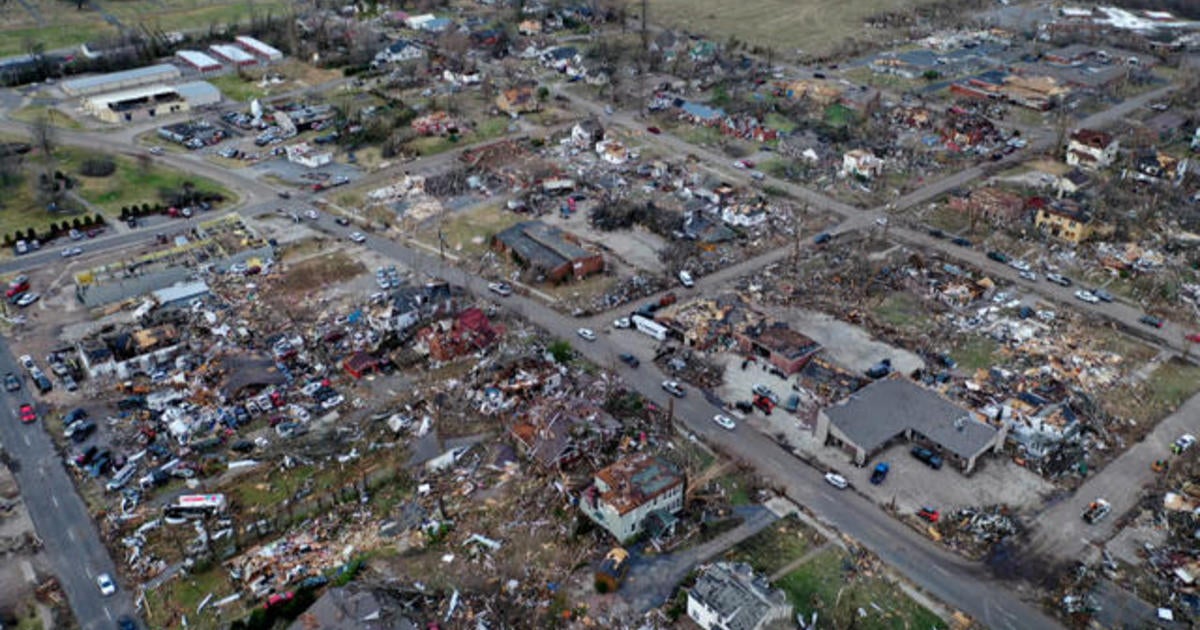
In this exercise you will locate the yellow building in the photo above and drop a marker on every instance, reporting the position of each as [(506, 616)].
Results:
[(1066, 223)]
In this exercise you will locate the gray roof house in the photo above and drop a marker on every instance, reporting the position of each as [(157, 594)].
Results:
[(896, 408), (731, 597)]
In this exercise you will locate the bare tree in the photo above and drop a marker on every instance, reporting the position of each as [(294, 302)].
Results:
[(45, 139)]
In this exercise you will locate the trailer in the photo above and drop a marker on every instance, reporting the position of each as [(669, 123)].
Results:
[(650, 327)]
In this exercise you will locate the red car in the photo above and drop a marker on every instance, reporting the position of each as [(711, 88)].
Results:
[(1194, 337), (18, 286), (278, 598), (27, 413), (654, 130), (929, 514)]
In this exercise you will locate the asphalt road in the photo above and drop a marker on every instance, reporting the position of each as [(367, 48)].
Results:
[(71, 541), (962, 584)]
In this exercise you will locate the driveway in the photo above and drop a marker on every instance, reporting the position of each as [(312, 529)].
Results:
[(652, 579)]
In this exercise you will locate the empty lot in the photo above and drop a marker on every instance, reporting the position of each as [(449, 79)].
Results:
[(813, 26)]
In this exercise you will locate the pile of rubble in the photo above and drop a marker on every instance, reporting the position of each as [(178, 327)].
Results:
[(974, 531)]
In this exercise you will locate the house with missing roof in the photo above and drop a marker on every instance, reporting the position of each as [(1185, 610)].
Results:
[(730, 596), (894, 410), (636, 494)]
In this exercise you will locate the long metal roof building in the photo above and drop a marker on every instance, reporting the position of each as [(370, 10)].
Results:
[(125, 79)]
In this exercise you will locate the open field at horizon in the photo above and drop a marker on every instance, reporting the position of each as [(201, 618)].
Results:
[(812, 26)]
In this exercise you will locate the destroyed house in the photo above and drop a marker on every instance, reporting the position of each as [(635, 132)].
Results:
[(729, 596), (548, 251), (1154, 166), (469, 332), (785, 348), (1065, 221), (1091, 149), (518, 100), (1035, 425), (625, 496), (130, 352), (555, 434), (897, 409), (990, 203), (359, 364)]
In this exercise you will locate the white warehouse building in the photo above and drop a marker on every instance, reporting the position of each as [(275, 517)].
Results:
[(124, 80)]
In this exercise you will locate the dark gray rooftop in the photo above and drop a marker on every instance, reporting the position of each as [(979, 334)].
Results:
[(736, 594), (541, 245), (886, 408)]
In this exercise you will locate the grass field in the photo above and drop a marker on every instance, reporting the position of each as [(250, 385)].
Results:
[(63, 26), (774, 547), (812, 26), (130, 184), (823, 585)]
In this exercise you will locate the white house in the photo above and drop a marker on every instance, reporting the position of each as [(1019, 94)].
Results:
[(626, 495), (1092, 150), (304, 155), (743, 215), (861, 163), (730, 596), (400, 50)]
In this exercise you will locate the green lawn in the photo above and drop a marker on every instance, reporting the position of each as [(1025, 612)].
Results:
[(827, 585), (736, 489), (902, 310), (195, 14), (774, 547), (181, 595), (130, 184), (63, 35), (780, 122), (975, 352), (1162, 393), (236, 88), (469, 232), (32, 113)]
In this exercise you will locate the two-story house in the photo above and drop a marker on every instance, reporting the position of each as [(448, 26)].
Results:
[(625, 496), (730, 596), (1092, 150), (1065, 221)]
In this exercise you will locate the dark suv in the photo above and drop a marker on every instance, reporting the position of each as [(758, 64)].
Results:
[(931, 459)]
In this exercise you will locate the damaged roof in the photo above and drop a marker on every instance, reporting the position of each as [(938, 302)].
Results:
[(634, 481)]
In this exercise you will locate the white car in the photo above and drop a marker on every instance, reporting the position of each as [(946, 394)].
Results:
[(106, 584), (586, 333), (622, 323), (1086, 296), (836, 480), (71, 252), (1185, 441), (27, 299), (1019, 265), (26, 361), (1029, 275), (725, 422), (503, 289), (312, 214), (358, 237), (881, 221), (686, 279)]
